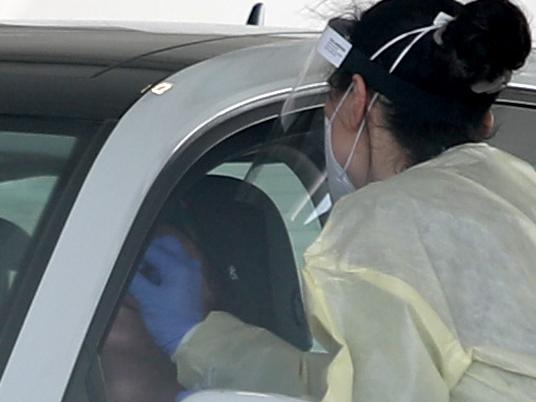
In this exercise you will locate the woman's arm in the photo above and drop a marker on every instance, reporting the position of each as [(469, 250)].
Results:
[(223, 352)]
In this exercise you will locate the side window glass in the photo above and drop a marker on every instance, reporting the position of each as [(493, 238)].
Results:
[(228, 241), (34, 167)]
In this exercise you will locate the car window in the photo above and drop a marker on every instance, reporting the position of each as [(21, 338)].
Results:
[(38, 158), (23, 200), (248, 233), (21, 205), (32, 164)]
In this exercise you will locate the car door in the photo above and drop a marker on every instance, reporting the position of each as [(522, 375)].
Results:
[(146, 156)]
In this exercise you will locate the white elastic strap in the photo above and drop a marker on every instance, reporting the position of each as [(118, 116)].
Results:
[(408, 48), (422, 32), (401, 37), (380, 51), (359, 132)]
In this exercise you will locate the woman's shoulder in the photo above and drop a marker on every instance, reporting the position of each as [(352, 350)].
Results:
[(473, 159), (467, 191), (460, 178)]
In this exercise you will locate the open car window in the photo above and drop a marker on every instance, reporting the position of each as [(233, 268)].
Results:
[(248, 236)]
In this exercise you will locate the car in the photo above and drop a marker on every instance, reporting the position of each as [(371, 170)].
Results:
[(105, 131)]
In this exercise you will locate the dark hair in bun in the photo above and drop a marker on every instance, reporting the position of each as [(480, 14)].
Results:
[(486, 41), (487, 38)]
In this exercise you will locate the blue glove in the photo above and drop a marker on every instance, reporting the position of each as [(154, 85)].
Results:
[(168, 288)]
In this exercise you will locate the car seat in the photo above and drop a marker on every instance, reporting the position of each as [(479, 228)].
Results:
[(252, 271)]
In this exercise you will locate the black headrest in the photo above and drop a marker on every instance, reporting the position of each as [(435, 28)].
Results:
[(244, 239)]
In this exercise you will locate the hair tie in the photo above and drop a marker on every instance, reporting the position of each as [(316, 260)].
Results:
[(441, 21)]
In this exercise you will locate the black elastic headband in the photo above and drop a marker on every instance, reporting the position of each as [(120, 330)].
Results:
[(400, 91)]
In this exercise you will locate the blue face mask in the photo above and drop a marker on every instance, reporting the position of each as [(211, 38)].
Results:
[(338, 181)]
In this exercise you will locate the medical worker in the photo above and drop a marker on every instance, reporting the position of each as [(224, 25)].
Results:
[(422, 285)]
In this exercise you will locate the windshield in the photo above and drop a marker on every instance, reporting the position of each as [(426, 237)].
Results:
[(39, 160)]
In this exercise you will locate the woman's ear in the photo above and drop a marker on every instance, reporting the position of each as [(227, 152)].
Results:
[(359, 95)]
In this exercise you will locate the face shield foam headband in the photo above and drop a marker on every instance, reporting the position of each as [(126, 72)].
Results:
[(438, 107), (335, 49)]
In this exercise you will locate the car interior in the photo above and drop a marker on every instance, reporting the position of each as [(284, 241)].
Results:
[(241, 232), (252, 271)]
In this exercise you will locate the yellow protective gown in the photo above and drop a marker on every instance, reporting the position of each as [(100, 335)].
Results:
[(421, 288)]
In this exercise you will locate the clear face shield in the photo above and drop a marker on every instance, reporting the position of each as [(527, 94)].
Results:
[(296, 144), (300, 145)]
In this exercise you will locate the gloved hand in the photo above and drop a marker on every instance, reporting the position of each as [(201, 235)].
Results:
[(168, 288)]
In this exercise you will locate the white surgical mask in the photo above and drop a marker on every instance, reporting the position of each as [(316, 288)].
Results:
[(338, 181)]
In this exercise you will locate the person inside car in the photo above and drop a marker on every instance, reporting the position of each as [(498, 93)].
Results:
[(422, 285), (135, 361)]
